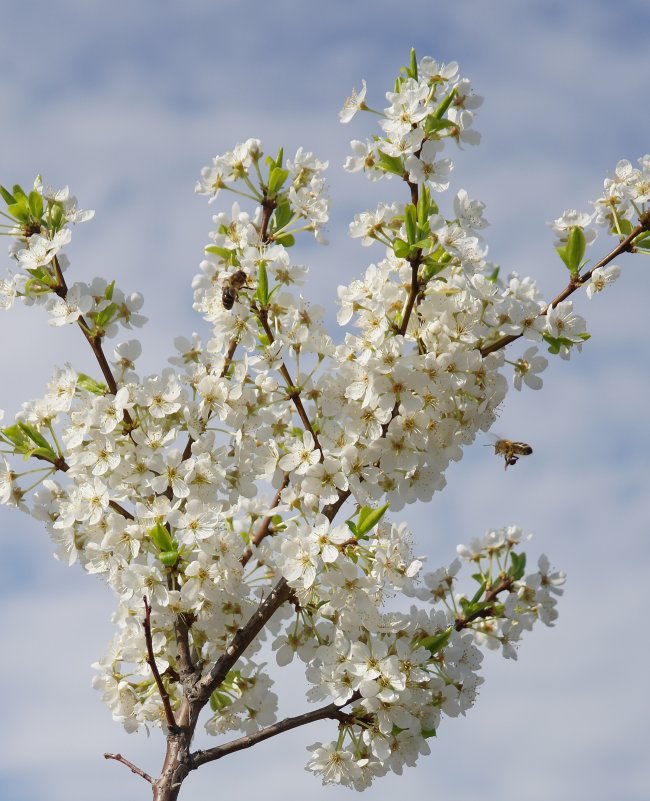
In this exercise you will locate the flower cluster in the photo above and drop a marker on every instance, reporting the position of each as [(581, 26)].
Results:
[(207, 487)]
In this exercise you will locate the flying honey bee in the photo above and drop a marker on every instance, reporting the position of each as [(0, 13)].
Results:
[(231, 288), (511, 451)]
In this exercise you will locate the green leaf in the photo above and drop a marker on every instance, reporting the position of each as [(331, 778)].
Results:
[(432, 267), (161, 538), (624, 226), (225, 254), (572, 253), (518, 565), (43, 453), (18, 193), (368, 518), (412, 71), (219, 700), (90, 385), (436, 642), (262, 285), (287, 240), (424, 208), (428, 733), (16, 436), (401, 248), (106, 315), (432, 124), (410, 223), (392, 164), (277, 177), (352, 526), (56, 217), (8, 197), (35, 436), (36, 204), (282, 216), (481, 589), (168, 558), (444, 105), (20, 211)]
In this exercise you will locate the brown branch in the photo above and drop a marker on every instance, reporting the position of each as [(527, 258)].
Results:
[(242, 639), (151, 661), (95, 342), (294, 392), (575, 283), (504, 584), (265, 526), (333, 711), (133, 768)]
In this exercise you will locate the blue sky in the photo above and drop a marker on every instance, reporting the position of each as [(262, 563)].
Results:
[(125, 102)]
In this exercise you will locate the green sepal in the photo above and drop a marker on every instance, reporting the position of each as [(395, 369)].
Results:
[(428, 733), (277, 177), (262, 292), (9, 199), (392, 164), (572, 253), (108, 292), (494, 275), (35, 436), (436, 642), (369, 517), (90, 385), (161, 538), (518, 565)]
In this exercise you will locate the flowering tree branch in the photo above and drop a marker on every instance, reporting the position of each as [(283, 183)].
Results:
[(159, 483)]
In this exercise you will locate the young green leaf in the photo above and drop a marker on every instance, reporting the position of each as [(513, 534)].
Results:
[(436, 642), (368, 518), (518, 565)]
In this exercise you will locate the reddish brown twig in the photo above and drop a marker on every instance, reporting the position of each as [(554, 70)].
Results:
[(151, 661), (574, 284), (333, 711), (133, 768), (265, 526)]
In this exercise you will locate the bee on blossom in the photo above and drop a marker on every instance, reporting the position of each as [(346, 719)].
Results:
[(231, 288)]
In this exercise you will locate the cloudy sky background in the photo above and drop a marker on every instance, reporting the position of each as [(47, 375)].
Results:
[(125, 102)]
